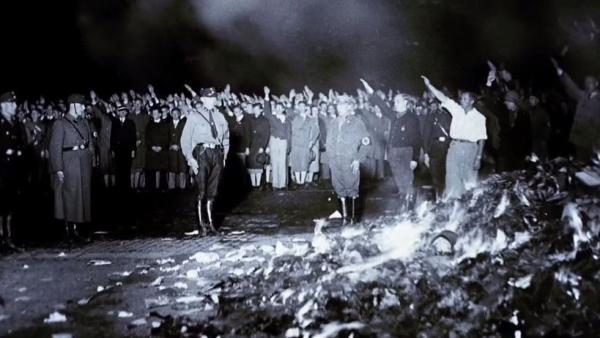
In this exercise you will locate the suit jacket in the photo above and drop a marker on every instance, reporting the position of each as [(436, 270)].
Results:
[(123, 136)]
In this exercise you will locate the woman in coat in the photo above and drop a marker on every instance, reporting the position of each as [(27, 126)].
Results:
[(258, 135), (157, 143), (303, 142), (177, 165)]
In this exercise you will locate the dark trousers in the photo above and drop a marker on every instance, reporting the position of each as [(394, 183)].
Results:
[(210, 166), (399, 159), (437, 168), (123, 162)]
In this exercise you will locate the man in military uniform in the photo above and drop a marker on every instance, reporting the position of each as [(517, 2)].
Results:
[(71, 161), (11, 150), (404, 143), (347, 144), (205, 144), (436, 140)]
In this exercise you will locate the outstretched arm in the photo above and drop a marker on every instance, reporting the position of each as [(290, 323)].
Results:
[(436, 92)]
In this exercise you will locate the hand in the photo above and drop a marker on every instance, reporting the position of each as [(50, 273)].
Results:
[(151, 89), (9, 151), (368, 88), (138, 142), (189, 89), (174, 147), (413, 165), (261, 150), (133, 154), (247, 152), (267, 150), (267, 93), (559, 70), (491, 78), (426, 80), (112, 153), (61, 176), (194, 167), (426, 159), (355, 167)]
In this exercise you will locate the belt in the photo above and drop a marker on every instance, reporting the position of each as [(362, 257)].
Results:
[(209, 145), (75, 148), (462, 141)]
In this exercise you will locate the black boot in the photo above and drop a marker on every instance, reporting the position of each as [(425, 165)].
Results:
[(210, 213), (353, 211), (344, 211), (201, 225)]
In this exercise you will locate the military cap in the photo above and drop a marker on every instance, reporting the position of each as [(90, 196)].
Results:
[(76, 98), (8, 97), (208, 92)]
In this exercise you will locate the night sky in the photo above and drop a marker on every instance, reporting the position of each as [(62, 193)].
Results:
[(55, 47)]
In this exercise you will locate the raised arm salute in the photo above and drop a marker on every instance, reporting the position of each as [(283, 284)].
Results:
[(468, 133), (586, 122)]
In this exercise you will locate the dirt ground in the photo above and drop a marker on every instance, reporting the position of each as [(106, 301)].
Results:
[(138, 270)]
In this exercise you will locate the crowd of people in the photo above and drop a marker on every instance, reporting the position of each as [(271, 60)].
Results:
[(139, 141)]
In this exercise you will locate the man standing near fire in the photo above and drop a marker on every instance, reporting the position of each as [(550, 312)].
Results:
[(205, 144), (468, 134)]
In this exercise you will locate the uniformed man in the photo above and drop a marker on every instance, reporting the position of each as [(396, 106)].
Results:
[(436, 140), (404, 144), (205, 144), (11, 150), (71, 161), (347, 145), (468, 133)]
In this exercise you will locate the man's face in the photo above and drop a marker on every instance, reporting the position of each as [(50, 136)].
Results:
[(122, 113), (591, 84), (209, 102), (35, 115), (466, 101), (534, 101), (331, 111), (400, 104), (156, 114), (175, 114), (9, 108), (256, 110), (278, 109), (237, 111), (510, 105), (78, 108), (344, 109)]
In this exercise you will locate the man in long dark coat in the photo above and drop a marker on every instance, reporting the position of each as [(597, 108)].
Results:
[(71, 161), (177, 164), (11, 153), (122, 146)]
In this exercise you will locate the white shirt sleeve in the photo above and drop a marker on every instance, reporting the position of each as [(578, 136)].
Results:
[(452, 107)]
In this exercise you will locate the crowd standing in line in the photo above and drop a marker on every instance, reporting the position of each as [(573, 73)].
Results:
[(138, 141)]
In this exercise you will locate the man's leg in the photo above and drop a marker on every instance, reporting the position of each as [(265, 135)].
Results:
[(454, 183), (201, 183), (212, 185)]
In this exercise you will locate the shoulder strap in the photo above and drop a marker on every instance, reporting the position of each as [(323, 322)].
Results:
[(76, 129)]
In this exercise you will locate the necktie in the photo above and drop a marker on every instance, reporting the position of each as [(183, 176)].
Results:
[(213, 128)]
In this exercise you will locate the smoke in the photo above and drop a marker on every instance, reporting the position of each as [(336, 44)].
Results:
[(332, 42)]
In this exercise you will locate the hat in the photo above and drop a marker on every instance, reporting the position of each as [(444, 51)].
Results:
[(120, 108), (208, 92), (8, 97), (76, 98), (262, 158), (512, 96)]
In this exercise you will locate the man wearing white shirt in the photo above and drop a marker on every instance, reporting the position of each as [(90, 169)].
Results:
[(468, 133)]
